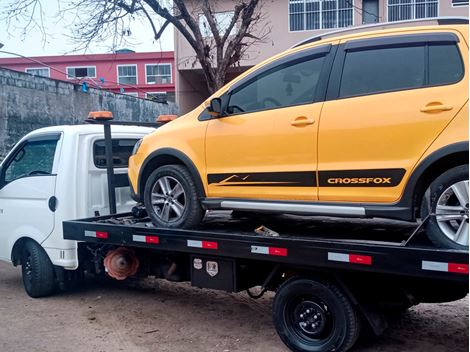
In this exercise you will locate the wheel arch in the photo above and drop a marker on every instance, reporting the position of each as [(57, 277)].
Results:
[(429, 169), (167, 156), (17, 247)]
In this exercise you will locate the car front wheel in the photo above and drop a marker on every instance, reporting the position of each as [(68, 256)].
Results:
[(447, 201), (171, 198)]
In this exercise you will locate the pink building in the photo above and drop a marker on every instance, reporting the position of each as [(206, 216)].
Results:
[(144, 75)]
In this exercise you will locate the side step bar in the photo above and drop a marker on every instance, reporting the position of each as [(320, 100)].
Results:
[(288, 207)]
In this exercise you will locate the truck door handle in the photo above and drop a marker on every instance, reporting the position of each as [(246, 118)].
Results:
[(436, 107), (302, 121)]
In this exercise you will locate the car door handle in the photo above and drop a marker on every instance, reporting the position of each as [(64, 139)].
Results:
[(436, 107), (302, 121)]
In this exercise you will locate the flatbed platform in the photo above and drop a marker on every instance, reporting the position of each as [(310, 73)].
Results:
[(331, 244)]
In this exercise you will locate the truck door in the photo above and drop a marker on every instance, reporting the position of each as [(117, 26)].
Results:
[(27, 188)]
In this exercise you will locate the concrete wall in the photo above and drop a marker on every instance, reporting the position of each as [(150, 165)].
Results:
[(28, 103)]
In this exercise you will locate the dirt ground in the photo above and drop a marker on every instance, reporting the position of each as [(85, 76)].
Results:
[(160, 316)]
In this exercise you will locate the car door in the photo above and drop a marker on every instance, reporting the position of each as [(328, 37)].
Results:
[(388, 99), (264, 144), (28, 182)]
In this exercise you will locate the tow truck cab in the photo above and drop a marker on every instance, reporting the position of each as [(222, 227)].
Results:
[(55, 174)]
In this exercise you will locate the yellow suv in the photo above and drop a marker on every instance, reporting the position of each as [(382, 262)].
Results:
[(364, 123)]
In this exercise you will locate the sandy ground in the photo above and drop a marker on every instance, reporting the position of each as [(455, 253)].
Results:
[(160, 316)]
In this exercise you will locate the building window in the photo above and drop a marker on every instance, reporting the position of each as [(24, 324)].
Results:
[(401, 10), (305, 15), (223, 20), (81, 72), (158, 73), (456, 3), (41, 71), (127, 74), (132, 94)]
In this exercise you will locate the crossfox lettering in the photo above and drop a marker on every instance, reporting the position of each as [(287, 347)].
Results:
[(360, 180)]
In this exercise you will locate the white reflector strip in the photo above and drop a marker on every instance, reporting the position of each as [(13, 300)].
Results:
[(338, 257), (196, 244), (90, 234), (138, 238), (259, 250), (435, 266)]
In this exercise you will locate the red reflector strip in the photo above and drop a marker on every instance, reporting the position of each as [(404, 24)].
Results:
[(445, 267), (146, 239), (152, 239), (281, 252), (458, 268), (202, 244), (96, 234), (350, 258)]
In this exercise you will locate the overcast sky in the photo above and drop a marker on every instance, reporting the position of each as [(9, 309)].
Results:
[(57, 41)]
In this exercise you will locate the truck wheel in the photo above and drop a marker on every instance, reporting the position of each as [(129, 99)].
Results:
[(37, 270), (447, 197), (314, 315), (171, 198)]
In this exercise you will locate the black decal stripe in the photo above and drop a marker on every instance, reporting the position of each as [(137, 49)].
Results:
[(265, 179), (361, 178)]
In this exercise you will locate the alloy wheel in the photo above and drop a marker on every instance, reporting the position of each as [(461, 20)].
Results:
[(452, 212), (168, 199)]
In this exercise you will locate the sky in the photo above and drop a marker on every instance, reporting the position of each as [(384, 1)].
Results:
[(58, 42)]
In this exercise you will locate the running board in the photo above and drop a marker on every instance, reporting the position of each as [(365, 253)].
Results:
[(293, 208)]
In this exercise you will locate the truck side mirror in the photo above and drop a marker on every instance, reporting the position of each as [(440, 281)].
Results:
[(215, 107)]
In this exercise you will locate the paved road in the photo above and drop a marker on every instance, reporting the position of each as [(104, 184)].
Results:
[(160, 316)]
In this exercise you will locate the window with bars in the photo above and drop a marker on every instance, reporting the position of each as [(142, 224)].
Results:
[(127, 74), (158, 73), (305, 15), (400, 10)]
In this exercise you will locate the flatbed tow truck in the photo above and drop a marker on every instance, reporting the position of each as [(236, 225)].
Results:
[(330, 276)]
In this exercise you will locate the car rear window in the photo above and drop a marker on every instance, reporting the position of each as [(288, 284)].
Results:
[(122, 150), (378, 70), (382, 70)]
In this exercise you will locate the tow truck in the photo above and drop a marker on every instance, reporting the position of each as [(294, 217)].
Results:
[(330, 276)]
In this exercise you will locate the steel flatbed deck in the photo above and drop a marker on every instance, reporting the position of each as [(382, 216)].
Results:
[(379, 247)]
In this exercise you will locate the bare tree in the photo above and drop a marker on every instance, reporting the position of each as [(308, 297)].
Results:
[(218, 46)]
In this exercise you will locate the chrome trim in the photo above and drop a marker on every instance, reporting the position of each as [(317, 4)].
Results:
[(295, 208)]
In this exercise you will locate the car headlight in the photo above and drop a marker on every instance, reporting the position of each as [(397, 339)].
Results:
[(137, 146)]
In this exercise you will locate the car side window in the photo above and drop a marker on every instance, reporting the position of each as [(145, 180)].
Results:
[(288, 84), (381, 70), (34, 158), (122, 150), (445, 64)]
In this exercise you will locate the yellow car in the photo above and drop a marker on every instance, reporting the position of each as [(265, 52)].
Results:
[(363, 123)]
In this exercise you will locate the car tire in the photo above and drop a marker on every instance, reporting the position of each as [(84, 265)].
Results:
[(447, 198), (171, 198), (338, 324), (37, 270)]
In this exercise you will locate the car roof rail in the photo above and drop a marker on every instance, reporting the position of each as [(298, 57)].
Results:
[(386, 25)]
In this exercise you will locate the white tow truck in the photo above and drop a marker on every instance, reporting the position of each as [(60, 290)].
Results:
[(66, 210)]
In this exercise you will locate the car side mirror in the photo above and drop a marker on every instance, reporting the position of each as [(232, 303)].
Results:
[(215, 107)]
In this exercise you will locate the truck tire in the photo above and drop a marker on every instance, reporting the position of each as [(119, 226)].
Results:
[(448, 195), (37, 270), (171, 198), (314, 316)]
